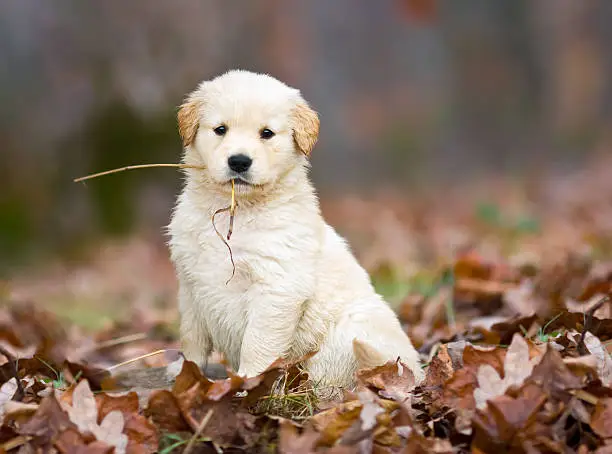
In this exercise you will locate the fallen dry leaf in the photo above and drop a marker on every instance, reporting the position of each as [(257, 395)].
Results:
[(508, 423), (292, 442), (334, 422), (440, 368), (164, 411), (141, 433), (393, 380), (602, 418), (459, 390), (105, 403), (604, 362), (7, 391), (19, 410), (554, 376), (47, 423), (71, 440), (84, 414), (517, 367), (418, 444)]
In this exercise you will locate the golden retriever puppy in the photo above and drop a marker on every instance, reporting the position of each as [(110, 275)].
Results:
[(297, 287)]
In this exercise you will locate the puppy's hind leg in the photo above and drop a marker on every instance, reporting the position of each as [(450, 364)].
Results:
[(366, 355), (376, 337)]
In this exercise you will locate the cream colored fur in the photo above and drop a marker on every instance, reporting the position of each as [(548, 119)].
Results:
[(297, 286)]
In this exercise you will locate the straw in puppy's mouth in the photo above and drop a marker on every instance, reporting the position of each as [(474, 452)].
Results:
[(239, 182), (232, 213)]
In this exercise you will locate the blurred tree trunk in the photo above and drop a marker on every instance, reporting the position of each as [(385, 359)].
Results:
[(569, 42)]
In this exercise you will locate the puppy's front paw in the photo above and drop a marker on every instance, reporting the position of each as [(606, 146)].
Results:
[(174, 368)]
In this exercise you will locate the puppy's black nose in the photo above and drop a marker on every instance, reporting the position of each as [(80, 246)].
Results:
[(239, 163)]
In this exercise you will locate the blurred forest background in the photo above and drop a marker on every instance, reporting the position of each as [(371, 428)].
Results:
[(413, 94)]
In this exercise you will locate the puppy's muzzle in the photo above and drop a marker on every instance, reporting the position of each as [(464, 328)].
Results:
[(239, 163)]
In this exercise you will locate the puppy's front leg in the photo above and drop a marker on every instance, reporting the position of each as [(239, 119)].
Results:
[(195, 338), (271, 325)]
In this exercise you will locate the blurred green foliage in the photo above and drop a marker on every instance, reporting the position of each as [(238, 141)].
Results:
[(118, 138), (115, 136)]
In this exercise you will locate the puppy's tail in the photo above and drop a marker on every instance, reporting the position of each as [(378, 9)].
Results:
[(367, 356)]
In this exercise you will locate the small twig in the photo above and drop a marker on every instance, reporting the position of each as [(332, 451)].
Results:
[(198, 432), (138, 358), (16, 442), (585, 396), (11, 360), (588, 322), (229, 248), (134, 167), (119, 341)]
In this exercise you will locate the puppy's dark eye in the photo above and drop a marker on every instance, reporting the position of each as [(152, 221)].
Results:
[(266, 133), (220, 130)]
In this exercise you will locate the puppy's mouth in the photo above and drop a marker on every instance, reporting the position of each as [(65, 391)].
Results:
[(241, 181), (241, 186)]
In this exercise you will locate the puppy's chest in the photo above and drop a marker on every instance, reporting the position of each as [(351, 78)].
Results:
[(260, 254), (219, 290), (256, 251)]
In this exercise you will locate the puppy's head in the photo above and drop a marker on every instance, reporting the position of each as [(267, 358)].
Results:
[(248, 127)]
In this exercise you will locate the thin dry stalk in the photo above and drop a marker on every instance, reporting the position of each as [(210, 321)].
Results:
[(138, 358), (198, 432), (229, 248), (232, 211), (113, 343), (15, 442), (134, 167)]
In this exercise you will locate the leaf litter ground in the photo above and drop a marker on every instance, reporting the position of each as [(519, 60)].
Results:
[(507, 298)]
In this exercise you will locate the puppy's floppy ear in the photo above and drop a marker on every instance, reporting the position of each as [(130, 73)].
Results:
[(188, 120), (305, 124)]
